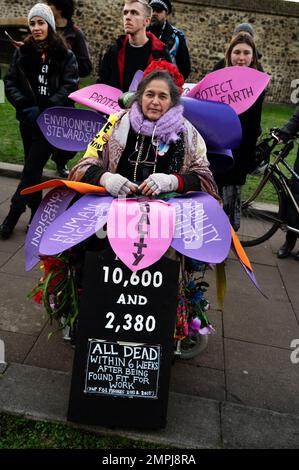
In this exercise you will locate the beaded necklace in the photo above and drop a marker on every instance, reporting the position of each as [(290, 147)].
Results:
[(140, 150)]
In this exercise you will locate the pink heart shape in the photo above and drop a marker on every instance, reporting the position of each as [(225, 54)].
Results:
[(140, 231)]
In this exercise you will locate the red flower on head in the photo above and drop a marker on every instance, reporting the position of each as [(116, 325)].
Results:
[(168, 67)]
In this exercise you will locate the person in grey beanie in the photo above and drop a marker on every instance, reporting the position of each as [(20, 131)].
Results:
[(242, 28), (42, 74), (43, 11)]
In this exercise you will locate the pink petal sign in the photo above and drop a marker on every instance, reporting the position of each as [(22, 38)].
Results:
[(236, 86), (100, 97), (140, 231)]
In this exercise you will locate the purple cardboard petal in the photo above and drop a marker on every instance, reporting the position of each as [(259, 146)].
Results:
[(252, 277), (218, 123), (53, 204), (79, 222), (220, 160), (136, 79), (69, 128), (202, 229)]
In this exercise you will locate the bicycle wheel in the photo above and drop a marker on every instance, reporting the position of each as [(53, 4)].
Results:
[(262, 216), (193, 345)]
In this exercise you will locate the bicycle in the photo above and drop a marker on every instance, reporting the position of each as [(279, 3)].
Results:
[(264, 209)]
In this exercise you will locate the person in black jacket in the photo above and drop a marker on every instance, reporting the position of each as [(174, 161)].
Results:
[(132, 51), (285, 133), (173, 38), (42, 74), (63, 11), (241, 52)]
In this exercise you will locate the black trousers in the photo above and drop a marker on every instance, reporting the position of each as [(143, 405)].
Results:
[(62, 156), (37, 151), (292, 216)]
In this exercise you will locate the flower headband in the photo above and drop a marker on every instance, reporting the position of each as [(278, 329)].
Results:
[(172, 69)]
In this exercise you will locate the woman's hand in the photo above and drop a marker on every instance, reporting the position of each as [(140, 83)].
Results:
[(117, 185), (31, 114), (17, 44), (159, 183)]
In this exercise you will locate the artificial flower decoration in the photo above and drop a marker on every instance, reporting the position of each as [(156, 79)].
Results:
[(168, 67), (58, 290)]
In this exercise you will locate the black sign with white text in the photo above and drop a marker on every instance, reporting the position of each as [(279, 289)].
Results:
[(125, 343)]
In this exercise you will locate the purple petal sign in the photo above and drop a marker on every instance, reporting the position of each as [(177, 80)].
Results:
[(69, 128), (136, 79), (218, 123), (220, 159), (79, 222), (53, 204), (202, 229)]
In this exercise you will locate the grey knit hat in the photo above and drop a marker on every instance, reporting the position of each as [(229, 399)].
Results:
[(45, 12), (246, 27)]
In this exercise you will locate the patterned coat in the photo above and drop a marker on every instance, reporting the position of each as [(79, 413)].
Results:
[(195, 159)]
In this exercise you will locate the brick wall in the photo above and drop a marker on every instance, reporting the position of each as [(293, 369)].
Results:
[(208, 25)]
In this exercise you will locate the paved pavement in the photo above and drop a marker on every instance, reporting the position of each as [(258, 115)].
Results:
[(241, 392)]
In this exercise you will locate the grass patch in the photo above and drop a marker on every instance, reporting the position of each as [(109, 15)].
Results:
[(21, 433)]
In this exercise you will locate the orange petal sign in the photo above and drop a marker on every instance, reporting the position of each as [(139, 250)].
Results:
[(240, 250), (83, 188)]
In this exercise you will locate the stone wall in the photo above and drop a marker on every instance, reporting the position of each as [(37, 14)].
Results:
[(208, 25)]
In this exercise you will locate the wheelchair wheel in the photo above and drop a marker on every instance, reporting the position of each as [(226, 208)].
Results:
[(192, 346), (263, 213)]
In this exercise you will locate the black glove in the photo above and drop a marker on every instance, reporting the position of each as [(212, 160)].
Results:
[(282, 135), (31, 114)]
